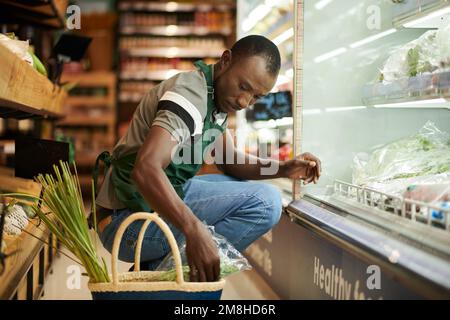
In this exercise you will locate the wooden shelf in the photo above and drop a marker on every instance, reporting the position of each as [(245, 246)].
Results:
[(18, 265), (90, 79), (24, 92), (86, 101), (87, 121), (49, 14)]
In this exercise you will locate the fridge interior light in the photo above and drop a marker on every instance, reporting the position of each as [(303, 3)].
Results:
[(431, 103), (330, 55), (372, 38), (322, 4)]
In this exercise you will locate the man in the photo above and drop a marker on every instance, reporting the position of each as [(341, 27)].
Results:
[(184, 116)]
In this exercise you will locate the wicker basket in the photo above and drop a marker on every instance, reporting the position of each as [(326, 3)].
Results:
[(136, 285)]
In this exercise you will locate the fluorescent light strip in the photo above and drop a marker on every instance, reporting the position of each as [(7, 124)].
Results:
[(330, 55), (311, 111), (259, 13), (322, 4), (372, 38), (435, 14), (436, 103), (289, 33), (341, 109)]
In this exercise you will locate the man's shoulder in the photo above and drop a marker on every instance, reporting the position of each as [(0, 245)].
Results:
[(193, 79)]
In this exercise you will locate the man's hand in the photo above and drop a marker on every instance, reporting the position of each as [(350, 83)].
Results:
[(306, 167), (202, 254)]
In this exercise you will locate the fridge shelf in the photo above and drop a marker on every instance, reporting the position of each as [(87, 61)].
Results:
[(431, 89), (416, 211), (421, 14)]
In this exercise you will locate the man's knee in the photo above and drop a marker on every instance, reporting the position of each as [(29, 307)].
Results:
[(271, 199)]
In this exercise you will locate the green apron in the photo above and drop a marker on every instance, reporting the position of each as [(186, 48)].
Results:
[(178, 173)]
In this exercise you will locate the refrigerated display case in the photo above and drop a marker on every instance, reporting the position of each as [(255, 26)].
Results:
[(343, 238)]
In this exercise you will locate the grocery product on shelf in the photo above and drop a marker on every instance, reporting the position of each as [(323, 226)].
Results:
[(15, 220), (23, 50), (428, 53), (423, 158)]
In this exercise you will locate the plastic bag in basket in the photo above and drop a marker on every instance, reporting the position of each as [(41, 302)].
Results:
[(231, 260)]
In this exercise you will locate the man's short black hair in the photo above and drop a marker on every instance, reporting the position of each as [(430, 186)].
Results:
[(255, 45)]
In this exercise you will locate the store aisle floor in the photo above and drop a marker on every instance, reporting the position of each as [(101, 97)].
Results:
[(61, 284)]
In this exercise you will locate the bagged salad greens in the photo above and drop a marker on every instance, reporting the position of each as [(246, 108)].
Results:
[(231, 260), (423, 158), (429, 53)]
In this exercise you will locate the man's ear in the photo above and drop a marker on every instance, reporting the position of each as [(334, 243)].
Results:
[(225, 59)]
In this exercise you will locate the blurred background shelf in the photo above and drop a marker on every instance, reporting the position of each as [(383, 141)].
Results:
[(157, 75), (174, 52), (48, 14), (142, 6), (173, 30)]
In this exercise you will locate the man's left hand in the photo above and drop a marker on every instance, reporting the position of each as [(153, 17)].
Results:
[(306, 167)]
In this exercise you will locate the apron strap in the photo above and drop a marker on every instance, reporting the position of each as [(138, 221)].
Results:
[(106, 158)]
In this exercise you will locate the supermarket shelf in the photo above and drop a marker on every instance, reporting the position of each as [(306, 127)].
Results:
[(12, 109), (90, 79), (142, 6), (18, 265), (86, 158), (87, 121), (413, 14), (49, 14), (157, 75), (131, 99), (174, 52), (173, 30), (427, 88), (85, 101), (24, 92)]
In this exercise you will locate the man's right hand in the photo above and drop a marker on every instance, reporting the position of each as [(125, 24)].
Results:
[(202, 254)]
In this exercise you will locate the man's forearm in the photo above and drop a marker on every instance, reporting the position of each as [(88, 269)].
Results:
[(249, 167), (158, 192)]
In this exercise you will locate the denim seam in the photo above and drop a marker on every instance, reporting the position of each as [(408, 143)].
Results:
[(233, 195), (252, 227)]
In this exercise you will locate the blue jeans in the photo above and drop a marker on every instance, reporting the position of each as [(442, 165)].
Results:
[(239, 210)]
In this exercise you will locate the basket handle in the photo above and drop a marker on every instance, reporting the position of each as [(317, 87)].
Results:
[(148, 217)]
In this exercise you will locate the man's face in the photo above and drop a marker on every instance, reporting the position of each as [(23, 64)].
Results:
[(242, 82)]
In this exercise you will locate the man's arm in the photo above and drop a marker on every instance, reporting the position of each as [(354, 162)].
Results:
[(149, 176), (306, 166)]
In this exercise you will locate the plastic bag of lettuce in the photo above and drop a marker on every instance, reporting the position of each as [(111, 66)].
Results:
[(231, 260), (421, 158)]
